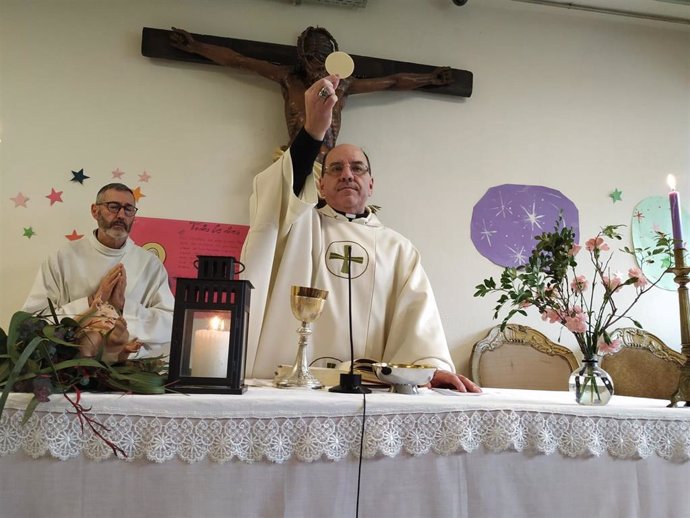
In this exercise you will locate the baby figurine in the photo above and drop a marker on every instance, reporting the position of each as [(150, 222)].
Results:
[(105, 327)]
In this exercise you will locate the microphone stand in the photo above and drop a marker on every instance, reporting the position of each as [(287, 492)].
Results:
[(350, 383)]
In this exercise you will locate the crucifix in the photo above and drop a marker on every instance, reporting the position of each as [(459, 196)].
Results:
[(296, 68)]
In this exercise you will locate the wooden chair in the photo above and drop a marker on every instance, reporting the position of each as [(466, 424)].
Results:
[(521, 357), (644, 366)]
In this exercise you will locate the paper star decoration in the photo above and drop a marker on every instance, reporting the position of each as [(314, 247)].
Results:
[(28, 232), (79, 176), (19, 200), (74, 236), (144, 177), (117, 173), (54, 196), (138, 194), (616, 195)]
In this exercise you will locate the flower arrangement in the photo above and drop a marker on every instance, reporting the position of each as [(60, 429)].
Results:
[(44, 356), (586, 306)]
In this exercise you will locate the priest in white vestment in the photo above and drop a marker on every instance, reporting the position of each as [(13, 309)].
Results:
[(394, 314), (107, 265)]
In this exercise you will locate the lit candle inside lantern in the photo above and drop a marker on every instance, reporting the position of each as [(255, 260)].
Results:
[(676, 221), (210, 351)]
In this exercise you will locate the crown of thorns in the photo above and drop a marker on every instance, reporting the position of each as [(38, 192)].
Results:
[(307, 43)]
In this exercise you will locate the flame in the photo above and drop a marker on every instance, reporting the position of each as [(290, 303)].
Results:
[(217, 324), (671, 181)]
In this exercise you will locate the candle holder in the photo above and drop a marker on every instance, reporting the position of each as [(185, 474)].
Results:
[(208, 345), (682, 277)]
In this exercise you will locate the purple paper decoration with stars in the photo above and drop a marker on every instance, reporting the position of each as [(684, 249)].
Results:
[(509, 216)]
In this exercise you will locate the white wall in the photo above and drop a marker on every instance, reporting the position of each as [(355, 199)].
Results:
[(580, 102)]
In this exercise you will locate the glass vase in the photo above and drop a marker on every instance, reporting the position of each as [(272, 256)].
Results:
[(590, 384)]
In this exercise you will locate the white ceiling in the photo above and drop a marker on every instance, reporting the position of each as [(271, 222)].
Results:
[(663, 10), (678, 10)]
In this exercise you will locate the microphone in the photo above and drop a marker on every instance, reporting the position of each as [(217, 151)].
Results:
[(350, 383)]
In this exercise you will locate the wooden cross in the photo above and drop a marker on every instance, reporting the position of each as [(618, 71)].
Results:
[(155, 43), (297, 68)]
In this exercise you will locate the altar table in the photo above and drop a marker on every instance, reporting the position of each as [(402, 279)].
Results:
[(295, 453)]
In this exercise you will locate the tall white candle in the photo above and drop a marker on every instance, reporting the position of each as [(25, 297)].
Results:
[(676, 218), (210, 351)]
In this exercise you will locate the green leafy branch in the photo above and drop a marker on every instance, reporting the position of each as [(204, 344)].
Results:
[(549, 281), (43, 358)]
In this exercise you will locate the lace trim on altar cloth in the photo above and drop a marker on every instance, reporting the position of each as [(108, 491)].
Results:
[(310, 439)]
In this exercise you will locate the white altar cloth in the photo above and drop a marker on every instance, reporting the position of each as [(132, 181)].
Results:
[(275, 425), (292, 453)]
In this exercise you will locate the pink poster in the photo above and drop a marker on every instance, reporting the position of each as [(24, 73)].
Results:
[(178, 243)]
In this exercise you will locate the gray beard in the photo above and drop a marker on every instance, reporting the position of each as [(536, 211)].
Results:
[(116, 232)]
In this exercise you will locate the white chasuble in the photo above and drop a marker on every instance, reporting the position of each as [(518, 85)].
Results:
[(394, 314)]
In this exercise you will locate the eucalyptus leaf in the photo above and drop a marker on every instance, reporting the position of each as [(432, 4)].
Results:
[(79, 362), (3, 342), (13, 332), (17, 369), (5, 369), (49, 332), (28, 412)]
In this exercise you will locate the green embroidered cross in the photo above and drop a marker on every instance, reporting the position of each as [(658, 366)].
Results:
[(347, 259)]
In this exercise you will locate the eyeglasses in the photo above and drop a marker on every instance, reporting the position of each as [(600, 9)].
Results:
[(356, 168), (115, 207)]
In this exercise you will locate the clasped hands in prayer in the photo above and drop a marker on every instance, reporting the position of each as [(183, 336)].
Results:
[(104, 325), (112, 288)]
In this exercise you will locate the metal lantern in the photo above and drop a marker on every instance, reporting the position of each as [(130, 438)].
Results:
[(208, 348)]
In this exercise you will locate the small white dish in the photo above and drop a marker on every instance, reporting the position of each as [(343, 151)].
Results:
[(404, 378)]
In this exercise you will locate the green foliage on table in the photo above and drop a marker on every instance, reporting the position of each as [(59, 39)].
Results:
[(40, 355)]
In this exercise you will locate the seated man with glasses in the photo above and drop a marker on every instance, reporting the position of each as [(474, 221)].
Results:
[(106, 267), (337, 245)]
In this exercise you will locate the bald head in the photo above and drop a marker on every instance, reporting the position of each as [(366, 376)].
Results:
[(346, 183)]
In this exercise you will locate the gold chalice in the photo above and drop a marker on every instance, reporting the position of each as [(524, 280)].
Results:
[(306, 304)]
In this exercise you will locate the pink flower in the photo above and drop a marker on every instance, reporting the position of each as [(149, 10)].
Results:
[(605, 348), (579, 284), (612, 283), (552, 291), (636, 273), (576, 322), (551, 315), (596, 243), (574, 250)]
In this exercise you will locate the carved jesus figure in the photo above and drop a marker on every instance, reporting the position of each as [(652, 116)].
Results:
[(313, 47), (105, 328)]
